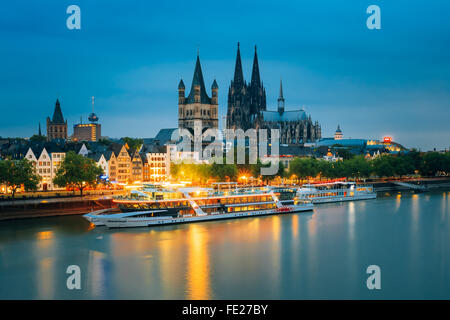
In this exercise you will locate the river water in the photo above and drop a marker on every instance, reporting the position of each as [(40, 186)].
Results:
[(320, 255)]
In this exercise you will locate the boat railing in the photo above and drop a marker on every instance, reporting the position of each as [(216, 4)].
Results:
[(239, 192)]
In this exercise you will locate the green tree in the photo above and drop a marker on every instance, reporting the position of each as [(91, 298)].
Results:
[(433, 162), (345, 154), (104, 141), (383, 166), (304, 167), (325, 168), (17, 173), (255, 169), (133, 143), (38, 138), (77, 171), (358, 167), (414, 158), (447, 163), (340, 169), (224, 172)]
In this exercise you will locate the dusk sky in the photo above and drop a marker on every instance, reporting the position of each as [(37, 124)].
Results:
[(131, 55)]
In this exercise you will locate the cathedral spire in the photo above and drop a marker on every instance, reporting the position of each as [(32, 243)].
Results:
[(281, 99), (238, 74), (40, 132), (198, 82), (281, 91), (256, 80), (57, 114)]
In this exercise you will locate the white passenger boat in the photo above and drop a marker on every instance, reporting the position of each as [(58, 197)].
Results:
[(95, 216), (154, 205), (335, 192)]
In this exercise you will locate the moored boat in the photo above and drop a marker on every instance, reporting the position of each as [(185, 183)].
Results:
[(95, 216), (335, 192), (154, 205)]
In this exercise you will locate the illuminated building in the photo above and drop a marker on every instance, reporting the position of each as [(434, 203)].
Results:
[(136, 167), (123, 160), (338, 134), (46, 165), (88, 131), (112, 165), (158, 164)]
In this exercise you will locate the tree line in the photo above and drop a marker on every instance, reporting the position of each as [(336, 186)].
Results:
[(411, 163), (356, 167), (204, 173)]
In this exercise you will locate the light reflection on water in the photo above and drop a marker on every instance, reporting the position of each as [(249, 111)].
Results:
[(198, 271), (306, 255)]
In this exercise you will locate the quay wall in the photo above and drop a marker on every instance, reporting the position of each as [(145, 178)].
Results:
[(20, 209), (429, 184)]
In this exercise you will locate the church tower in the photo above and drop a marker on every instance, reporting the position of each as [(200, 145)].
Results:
[(56, 127), (198, 109), (238, 110)]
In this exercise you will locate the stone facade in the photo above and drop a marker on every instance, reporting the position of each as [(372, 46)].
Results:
[(198, 109), (295, 126)]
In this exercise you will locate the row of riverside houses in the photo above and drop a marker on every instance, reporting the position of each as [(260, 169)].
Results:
[(121, 165)]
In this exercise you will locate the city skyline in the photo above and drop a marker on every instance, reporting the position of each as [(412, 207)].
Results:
[(392, 81)]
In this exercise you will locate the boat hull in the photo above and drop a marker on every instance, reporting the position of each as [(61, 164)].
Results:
[(342, 199), (149, 222), (95, 216)]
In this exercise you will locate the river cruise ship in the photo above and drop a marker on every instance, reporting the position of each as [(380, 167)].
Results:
[(335, 192), (155, 205)]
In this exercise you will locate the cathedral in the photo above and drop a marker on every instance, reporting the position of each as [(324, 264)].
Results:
[(247, 109)]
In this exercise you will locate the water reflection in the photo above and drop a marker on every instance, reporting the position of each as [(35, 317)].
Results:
[(45, 284), (444, 206), (44, 235), (294, 227), (398, 201), (351, 220), (170, 259), (44, 253), (295, 256), (415, 213), (198, 271), (96, 275)]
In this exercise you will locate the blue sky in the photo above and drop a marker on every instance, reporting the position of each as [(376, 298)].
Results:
[(131, 55)]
